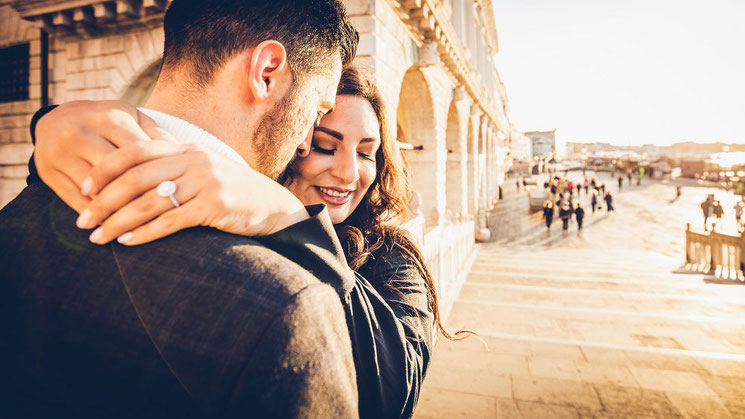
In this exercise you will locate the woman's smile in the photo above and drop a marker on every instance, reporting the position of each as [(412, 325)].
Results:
[(334, 196)]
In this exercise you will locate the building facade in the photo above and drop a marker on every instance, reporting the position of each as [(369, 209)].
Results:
[(433, 60), (543, 143)]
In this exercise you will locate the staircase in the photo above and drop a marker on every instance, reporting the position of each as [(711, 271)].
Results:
[(588, 331)]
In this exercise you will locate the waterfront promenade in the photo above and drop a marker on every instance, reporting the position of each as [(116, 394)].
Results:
[(601, 326)]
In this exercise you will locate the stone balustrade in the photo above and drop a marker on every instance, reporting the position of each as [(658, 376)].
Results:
[(716, 253)]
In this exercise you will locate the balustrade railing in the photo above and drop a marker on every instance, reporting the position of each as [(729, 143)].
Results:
[(716, 253)]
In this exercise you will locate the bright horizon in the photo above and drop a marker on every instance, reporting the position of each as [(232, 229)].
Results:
[(625, 72)]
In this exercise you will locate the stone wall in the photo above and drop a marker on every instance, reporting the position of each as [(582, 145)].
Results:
[(15, 117)]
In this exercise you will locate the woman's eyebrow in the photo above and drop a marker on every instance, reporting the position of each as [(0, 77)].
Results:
[(329, 131), (369, 140)]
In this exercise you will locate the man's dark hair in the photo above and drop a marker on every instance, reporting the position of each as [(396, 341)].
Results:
[(204, 34)]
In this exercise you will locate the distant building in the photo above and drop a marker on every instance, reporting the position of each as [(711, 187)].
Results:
[(543, 143), (522, 146)]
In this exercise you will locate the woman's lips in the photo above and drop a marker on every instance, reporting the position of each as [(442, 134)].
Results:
[(333, 196)]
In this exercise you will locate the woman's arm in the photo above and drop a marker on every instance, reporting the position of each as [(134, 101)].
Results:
[(406, 324)]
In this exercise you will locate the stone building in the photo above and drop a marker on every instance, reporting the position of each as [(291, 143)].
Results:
[(543, 143), (433, 59)]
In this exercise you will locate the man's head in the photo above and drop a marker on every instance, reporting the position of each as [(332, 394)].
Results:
[(255, 73)]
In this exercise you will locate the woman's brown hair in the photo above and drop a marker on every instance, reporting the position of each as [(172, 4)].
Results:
[(377, 219)]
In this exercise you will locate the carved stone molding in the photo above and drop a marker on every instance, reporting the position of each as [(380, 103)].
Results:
[(90, 16)]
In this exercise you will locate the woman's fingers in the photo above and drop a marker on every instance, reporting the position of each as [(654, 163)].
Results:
[(164, 225), (144, 209), (133, 183), (122, 160)]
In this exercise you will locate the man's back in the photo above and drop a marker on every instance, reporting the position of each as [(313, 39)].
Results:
[(201, 323)]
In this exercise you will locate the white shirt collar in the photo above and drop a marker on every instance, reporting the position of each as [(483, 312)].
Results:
[(185, 132)]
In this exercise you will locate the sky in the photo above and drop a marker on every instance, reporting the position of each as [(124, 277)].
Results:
[(628, 72)]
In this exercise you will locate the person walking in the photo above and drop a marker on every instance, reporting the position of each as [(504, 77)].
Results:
[(718, 211), (609, 201), (565, 213), (587, 186), (548, 214), (739, 209), (706, 208), (579, 215), (594, 200), (517, 183), (620, 183)]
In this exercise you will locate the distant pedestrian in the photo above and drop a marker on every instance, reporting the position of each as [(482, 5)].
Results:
[(594, 200), (706, 209), (587, 186), (678, 191), (620, 182), (579, 215), (548, 214), (565, 213), (501, 195), (628, 175), (525, 184), (739, 209), (718, 211), (517, 183), (609, 201)]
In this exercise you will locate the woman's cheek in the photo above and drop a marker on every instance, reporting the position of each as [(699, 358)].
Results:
[(367, 174)]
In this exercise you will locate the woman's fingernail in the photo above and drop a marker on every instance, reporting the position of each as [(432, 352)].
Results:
[(124, 238), (96, 235), (84, 219), (87, 186)]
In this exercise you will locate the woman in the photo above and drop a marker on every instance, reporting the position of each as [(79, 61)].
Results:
[(579, 214), (355, 169), (548, 214), (565, 213)]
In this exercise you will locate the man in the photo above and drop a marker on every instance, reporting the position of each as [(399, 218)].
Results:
[(201, 323)]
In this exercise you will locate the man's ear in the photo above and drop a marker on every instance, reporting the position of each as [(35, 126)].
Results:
[(269, 70)]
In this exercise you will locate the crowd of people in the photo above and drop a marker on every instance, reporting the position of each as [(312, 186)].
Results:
[(713, 211), (564, 201)]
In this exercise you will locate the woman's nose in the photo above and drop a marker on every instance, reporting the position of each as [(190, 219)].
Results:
[(346, 168)]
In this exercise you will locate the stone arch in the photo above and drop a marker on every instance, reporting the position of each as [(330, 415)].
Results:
[(415, 119), (138, 91), (455, 170)]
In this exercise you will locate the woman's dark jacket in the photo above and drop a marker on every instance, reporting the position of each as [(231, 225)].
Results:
[(387, 307)]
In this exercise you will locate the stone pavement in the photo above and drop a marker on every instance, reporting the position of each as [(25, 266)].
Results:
[(595, 326)]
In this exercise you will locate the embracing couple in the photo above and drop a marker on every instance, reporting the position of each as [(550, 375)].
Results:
[(231, 249)]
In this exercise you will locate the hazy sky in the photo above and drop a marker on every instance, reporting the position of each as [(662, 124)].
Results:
[(625, 71)]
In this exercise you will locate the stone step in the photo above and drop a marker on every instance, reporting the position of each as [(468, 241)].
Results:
[(594, 273), (610, 265), (590, 289), (656, 331), (676, 307)]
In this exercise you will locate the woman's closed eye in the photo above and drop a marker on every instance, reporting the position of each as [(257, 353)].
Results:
[(327, 151)]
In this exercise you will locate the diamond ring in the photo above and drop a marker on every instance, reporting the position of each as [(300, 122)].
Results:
[(167, 189)]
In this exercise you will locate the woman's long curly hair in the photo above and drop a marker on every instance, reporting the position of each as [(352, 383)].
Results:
[(378, 218)]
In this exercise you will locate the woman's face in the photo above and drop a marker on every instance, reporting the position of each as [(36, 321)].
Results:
[(341, 165)]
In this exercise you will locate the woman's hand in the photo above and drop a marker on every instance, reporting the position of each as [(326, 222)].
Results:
[(212, 190), (76, 136)]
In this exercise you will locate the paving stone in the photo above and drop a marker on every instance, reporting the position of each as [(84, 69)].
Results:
[(692, 406), (606, 374), (674, 381), (494, 363), (665, 361), (555, 391), (634, 402), (507, 409), (726, 386), (439, 403), (735, 406), (723, 367), (563, 369), (483, 383), (530, 410), (605, 356)]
